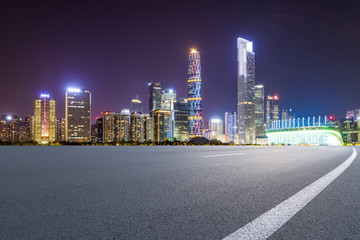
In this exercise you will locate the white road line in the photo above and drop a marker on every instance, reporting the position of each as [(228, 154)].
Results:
[(265, 225), (279, 150), (224, 155)]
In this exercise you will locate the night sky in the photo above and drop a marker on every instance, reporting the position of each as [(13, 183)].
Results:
[(307, 53)]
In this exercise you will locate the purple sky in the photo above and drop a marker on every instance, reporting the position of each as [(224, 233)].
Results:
[(307, 53)]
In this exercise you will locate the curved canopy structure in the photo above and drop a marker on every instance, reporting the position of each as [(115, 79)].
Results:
[(305, 136)]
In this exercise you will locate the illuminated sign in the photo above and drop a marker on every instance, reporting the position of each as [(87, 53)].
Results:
[(77, 90), (45, 95)]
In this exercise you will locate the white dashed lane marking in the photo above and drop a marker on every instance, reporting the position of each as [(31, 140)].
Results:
[(224, 155)]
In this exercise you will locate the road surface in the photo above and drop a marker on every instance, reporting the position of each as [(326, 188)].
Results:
[(165, 192)]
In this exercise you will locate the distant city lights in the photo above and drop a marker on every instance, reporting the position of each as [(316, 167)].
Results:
[(9, 118)]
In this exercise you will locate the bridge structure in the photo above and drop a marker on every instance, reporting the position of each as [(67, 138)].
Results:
[(310, 130)]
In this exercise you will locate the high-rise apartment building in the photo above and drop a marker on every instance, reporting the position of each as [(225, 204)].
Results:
[(45, 120), (122, 123), (181, 131), (136, 127), (194, 94), (230, 127), (155, 89), (108, 123), (78, 115), (246, 91), (24, 132), (162, 119), (60, 129), (136, 106), (148, 128), (9, 128), (272, 109), (259, 111)]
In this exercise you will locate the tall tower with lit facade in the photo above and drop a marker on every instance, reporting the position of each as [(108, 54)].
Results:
[(194, 94), (246, 91), (78, 115), (154, 96), (45, 121), (230, 127), (259, 111), (272, 109), (108, 125), (122, 122)]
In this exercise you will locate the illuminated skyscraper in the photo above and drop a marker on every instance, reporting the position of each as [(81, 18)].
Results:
[(9, 128), (136, 127), (78, 115), (246, 87), (45, 121), (272, 109), (25, 134), (148, 128), (168, 99), (60, 129), (194, 94), (108, 123), (216, 128), (136, 106), (162, 120), (230, 127), (181, 131), (259, 111), (122, 122), (154, 96)]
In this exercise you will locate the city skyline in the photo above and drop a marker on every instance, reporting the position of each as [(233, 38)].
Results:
[(293, 58)]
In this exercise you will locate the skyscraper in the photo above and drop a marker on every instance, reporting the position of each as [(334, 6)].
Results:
[(60, 129), (78, 115), (122, 122), (259, 111), (194, 94), (168, 98), (136, 127), (99, 130), (230, 127), (108, 122), (136, 106), (154, 96), (272, 109), (246, 88), (216, 128), (148, 128), (162, 120), (45, 121), (9, 128), (181, 132), (25, 134)]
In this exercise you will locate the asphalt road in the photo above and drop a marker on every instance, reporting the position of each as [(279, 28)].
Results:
[(73, 192)]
